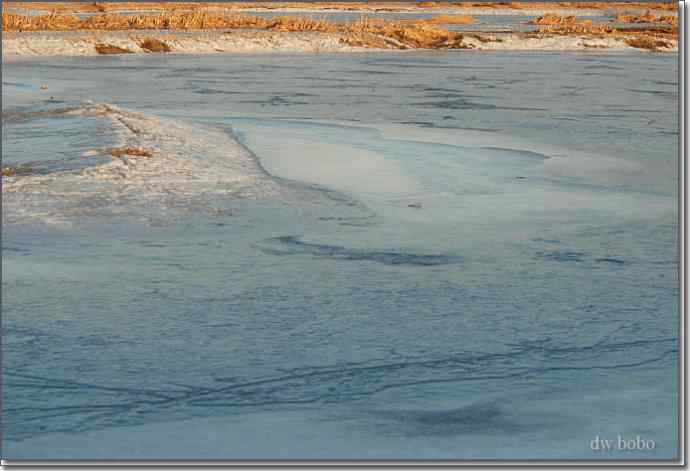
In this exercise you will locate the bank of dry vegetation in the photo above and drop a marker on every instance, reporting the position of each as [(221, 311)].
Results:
[(373, 6), (364, 32), (660, 34)]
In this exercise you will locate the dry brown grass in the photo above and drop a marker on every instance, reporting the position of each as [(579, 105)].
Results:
[(14, 22), (587, 28), (167, 21), (102, 7), (476, 5), (635, 36), (153, 45), (103, 48), (668, 6), (369, 32), (295, 23), (493, 5), (364, 31), (131, 151), (447, 20), (553, 19), (647, 17), (555, 24), (668, 20)]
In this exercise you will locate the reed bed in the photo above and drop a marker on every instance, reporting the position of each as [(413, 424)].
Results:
[(162, 21), (556, 24), (364, 30), (553, 19), (445, 20), (647, 17), (581, 27), (652, 38), (102, 7), (379, 33), (646, 38), (533, 5)]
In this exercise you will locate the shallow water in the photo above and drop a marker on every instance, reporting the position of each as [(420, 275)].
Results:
[(419, 255)]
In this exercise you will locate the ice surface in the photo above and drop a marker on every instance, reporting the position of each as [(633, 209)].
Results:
[(234, 312)]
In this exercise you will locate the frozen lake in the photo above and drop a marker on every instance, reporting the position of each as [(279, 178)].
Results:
[(376, 255)]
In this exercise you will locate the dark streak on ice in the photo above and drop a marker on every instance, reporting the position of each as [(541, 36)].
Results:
[(293, 245), (93, 406)]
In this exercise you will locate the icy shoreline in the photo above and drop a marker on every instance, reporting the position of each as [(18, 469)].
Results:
[(83, 44), (204, 42), (160, 163)]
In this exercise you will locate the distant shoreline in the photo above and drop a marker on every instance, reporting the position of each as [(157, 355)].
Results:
[(80, 29), (478, 8), (205, 42)]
